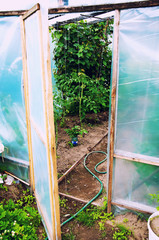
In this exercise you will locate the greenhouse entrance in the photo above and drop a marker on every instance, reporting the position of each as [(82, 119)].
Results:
[(81, 47), (26, 109)]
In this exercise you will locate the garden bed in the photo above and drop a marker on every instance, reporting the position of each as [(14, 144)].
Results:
[(80, 184), (19, 217)]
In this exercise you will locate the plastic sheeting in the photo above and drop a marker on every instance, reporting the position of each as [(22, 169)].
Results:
[(137, 111), (57, 3), (37, 118), (13, 132)]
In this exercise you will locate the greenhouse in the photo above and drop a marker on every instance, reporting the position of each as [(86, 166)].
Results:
[(27, 117)]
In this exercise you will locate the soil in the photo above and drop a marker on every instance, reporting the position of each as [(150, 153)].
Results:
[(97, 128), (80, 184), (155, 225)]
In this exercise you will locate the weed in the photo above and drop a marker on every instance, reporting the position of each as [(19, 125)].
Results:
[(101, 226), (70, 144), (68, 236), (155, 197), (125, 220), (3, 187), (122, 233), (104, 234), (90, 215), (62, 202), (59, 175)]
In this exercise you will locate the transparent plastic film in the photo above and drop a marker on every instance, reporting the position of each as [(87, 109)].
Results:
[(137, 110), (132, 184), (138, 83), (13, 133), (37, 117)]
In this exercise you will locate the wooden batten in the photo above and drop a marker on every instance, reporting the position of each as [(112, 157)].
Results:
[(148, 161), (113, 105), (12, 175), (77, 199), (31, 11), (132, 208), (52, 146), (27, 110), (12, 13), (105, 7)]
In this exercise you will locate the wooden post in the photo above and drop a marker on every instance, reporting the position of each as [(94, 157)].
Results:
[(51, 129), (113, 105), (27, 110)]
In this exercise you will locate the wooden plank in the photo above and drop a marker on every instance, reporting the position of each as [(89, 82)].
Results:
[(27, 110), (12, 175), (113, 105), (77, 199), (105, 7), (52, 185), (12, 13), (31, 11), (124, 205), (136, 158), (52, 144)]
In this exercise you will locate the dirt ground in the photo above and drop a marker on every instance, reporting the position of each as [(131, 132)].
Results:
[(80, 184)]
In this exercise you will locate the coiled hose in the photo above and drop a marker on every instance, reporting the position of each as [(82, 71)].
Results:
[(101, 184)]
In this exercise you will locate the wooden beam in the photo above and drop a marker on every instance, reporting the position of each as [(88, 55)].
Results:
[(12, 175), (105, 7), (137, 158), (77, 199), (148, 210), (13, 13), (31, 11), (113, 105), (52, 144), (27, 109)]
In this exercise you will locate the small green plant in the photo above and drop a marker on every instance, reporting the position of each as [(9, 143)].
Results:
[(68, 236), (101, 225), (155, 197), (122, 233), (3, 187), (70, 144), (19, 219), (125, 220), (75, 131), (63, 202), (93, 214)]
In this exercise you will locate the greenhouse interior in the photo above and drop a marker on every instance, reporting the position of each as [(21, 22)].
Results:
[(33, 69)]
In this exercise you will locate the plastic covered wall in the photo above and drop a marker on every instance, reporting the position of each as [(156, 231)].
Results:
[(137, 113), (13, 133)]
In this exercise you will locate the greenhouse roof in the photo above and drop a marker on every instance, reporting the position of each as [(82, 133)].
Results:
[(17, 5)]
